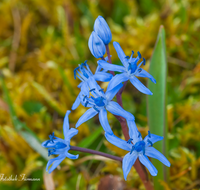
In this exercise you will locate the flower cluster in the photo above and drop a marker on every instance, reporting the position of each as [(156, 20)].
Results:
[(99, 101), (60, 146), (138, 148)]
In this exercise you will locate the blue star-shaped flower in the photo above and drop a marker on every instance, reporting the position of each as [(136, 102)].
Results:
[(129, 70), (99, 103), (138, 148), (60, 146), (84, 73)]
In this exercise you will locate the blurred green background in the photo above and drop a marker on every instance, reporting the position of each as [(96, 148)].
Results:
[(42, 41)]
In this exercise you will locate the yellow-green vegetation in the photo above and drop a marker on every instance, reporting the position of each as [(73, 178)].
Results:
[(41, 42)]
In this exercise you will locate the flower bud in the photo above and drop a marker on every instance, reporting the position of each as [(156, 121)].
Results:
[(96, 45), (102, 29)]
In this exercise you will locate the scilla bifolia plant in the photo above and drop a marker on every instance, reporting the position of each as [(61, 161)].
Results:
[(99, 102)]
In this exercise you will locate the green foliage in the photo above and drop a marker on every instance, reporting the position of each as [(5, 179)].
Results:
[(86, 142), (157, 103)]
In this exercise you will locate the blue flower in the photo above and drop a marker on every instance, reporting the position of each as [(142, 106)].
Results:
[(129, 70), (138, 148), (99, 102), (96, 45), (60, 146), (84, 73), (102, 29)]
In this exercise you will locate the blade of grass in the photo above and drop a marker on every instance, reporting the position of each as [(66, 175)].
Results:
[(156, 104), (29, 136), (65, 80)]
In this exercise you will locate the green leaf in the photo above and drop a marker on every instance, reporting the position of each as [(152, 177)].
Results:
[(32, 107), (29, 136), (85, 143), (34, 144), (157, 103)]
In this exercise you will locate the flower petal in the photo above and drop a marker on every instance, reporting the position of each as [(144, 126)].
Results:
[(110, 67), (76, 103), (133, 131), (85, 88), (116, 80), (118, 142), (86, 116), (50, 144), (153, 153), (104, 77), (120, 53), (56, 161), (66, 123), (144, 73), (104, 121), (71, 133), (116, 109), (153, 139), (127, 163), (93, 84), (140, 86), (146, 162), (80, 84), (96, 45), (111, 93), (102, 29), (71, 156)]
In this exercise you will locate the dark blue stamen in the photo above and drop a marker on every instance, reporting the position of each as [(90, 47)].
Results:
[(139, 70), (86, 104), (75, 72), (92, 90), (101, 90), (47, 143), (139, 55), (127, 57), (50, 151), (51, 137), (129, 141), (149, 134), (84, 98), (84, 64), (150, 142), (133, 148), (129, 66), (144, 61), (132, 52)]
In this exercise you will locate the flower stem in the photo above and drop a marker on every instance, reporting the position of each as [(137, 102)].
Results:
[(109, 59), (138, 166), (95, 152)]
